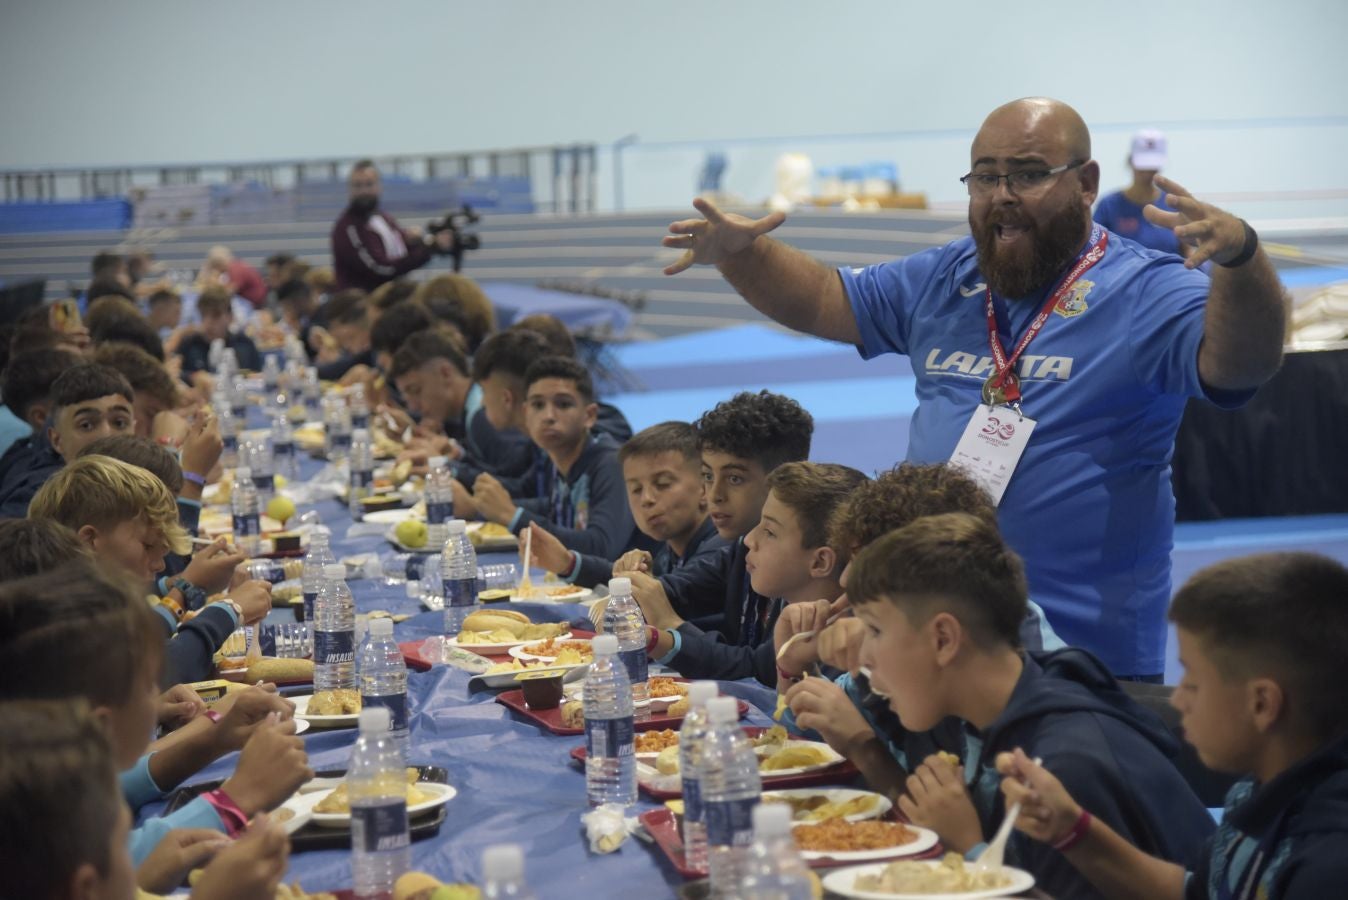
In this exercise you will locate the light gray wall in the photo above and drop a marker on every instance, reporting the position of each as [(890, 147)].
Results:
[(1257, 91)]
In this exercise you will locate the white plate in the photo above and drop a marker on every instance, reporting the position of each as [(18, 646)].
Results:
[(443, 794), (302, 807), (924, 841), (507, 679), (840, 882), (509, 542), (657, 704), (388, 516), (498, 649), (833, 759), (301, 725), (517, 651), (837, 795), (581, 595), (302, 703)]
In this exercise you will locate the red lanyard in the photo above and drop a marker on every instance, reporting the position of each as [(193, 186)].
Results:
[(1005, 383)]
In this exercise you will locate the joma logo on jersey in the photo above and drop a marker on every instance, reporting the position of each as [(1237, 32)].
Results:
[(1039, 368)]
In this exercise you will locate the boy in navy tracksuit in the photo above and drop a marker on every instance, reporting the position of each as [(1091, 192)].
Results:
[(707, 619), (1265, 694), (662, 469), (577, 491), (841, 707), (943, 600)]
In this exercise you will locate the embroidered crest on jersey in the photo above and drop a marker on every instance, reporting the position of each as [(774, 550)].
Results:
[(1074, 304)]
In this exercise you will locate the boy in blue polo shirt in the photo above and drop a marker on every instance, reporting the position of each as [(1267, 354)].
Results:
[(1265, 693)]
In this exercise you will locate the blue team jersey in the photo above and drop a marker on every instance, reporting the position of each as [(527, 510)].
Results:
[(1122, 216), (1090, 507)]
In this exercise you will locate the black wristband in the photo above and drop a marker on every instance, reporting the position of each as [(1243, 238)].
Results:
[(1246, 252)]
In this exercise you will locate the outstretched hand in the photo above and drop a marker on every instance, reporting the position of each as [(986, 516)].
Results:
[(710, 240), (1213, 233)]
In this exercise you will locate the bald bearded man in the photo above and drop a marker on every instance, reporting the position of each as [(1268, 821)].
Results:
[(1044, 324)]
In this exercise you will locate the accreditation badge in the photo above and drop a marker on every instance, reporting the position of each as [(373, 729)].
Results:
[(992, 445)]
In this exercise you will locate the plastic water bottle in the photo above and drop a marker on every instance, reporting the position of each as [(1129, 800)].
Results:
[(316, 559), (376, 783), (313, 393), (383, 678), (396, 567), (243, 507), (361, 483), (283, 446), (268, 570), (229, 430), (691, 735), (260, 464), (336, 428), (359, 408), (238, 398), (271, 374), (775, 869), (503, 873), (458, 576), (224, 359), (439, 500), (610, 758), (623, 620), (334, 632), (731, 788)]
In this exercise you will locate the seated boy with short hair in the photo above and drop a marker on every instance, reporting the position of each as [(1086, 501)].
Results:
[(431, 373), (662, 466), (1265, 696), (844, 711), (497, 440), (25, 387), (216, 309), (126, 516), (88, 401), (788, 561), (64, 829), (943, 600), (578, 492), (83, 612)]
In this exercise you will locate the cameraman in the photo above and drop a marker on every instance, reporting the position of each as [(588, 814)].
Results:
[(368, 247)]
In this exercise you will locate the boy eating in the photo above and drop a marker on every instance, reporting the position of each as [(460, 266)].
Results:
[(662, 467), (1263, 695), (215, 306), (943, 599)]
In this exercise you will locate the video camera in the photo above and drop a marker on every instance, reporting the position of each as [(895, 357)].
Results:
[(455, 222)]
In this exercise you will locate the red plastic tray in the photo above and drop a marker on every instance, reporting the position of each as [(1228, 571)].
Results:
[(835, 775), (663, 827), (551, 719), (412, 654)]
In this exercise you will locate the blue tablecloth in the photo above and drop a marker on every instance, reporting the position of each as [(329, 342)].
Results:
[(515, 781), (578, 312)]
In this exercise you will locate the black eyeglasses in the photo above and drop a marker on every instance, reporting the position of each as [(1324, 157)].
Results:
[(1023, 181)]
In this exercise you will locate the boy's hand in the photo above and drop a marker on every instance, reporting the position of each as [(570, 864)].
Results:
[(840, 644), (1047, 811), (179, 852), (251, 867), (650, 596), (548, 551), (271, 767), (821, 705), (493, 500), (203, 444), (169, 426), (254, 598), (213, 566), (634, 561), (937, 799), (247, 710), (464, 507), (178, 706), (795, 619)]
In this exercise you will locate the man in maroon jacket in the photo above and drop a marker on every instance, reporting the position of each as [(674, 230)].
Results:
[(368, 246)]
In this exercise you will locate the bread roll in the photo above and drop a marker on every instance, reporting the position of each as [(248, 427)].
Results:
[(573, 714), (269, 669), (497, 620)]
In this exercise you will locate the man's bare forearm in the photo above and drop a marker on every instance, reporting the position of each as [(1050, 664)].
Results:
[(1244, 327), (792, 288)]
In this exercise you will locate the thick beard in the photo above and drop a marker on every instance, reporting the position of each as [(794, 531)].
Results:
[(363, 207), (1053, 251)]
